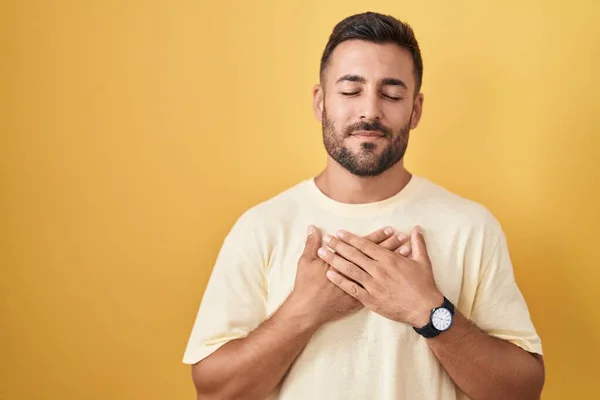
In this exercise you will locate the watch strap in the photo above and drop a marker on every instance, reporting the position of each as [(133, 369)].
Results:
[(429, 331)]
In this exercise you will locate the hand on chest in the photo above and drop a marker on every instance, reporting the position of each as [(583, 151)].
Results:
[(389, 273)]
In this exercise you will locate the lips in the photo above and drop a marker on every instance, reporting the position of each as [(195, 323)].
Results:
[(367, 134)]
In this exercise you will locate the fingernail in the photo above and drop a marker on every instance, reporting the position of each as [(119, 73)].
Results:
[(402, 236), (330, 274), (418, 229), (339, 234), (311, 230), (322, 252), (404, 250), (388, 231), (327, 238)]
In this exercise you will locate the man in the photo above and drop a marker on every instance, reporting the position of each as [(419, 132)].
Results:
[(354, 309)]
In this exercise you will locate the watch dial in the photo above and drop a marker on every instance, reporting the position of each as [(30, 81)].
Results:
[(441, 319)]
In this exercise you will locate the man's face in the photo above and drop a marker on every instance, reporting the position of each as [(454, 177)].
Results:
[(367, 106)]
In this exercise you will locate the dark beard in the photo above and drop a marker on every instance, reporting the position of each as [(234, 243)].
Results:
[(366, 162)]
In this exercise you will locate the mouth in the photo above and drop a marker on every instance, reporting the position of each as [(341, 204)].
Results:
[(368, 134)]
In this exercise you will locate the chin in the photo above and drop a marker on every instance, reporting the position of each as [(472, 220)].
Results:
[(368, 152)]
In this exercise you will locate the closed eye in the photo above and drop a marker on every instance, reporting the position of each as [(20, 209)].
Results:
[(394, 98)]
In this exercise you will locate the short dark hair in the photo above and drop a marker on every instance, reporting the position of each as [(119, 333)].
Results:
[(376, 28)]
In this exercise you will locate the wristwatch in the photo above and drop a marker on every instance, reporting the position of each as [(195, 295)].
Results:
[(440, 320)]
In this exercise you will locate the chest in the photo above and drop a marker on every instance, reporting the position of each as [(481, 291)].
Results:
[(446, 251)]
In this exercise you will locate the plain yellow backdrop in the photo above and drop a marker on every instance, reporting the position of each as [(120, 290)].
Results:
[(133, 133)]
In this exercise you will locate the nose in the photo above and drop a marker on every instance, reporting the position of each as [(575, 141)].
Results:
[(370, 107)]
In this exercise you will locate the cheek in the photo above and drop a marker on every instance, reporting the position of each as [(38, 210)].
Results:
[(337, 115), (398, 117), (340, 112), (344, 121)]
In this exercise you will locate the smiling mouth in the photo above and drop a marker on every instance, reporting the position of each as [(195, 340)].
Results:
[(371, 134)]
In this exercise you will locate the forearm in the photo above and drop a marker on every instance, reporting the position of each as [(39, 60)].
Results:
[(250, 368), (485, 367)]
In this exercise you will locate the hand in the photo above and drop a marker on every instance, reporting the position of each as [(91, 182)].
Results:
[(328, 302), (388, 239), (400, 288), (313, 294)]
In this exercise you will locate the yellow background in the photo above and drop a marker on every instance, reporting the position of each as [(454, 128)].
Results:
[(133, 133)]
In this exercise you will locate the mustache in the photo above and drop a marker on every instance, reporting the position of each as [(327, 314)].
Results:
[(374, 126)]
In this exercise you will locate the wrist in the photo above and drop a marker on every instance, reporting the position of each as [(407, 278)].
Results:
[(295, 310), (423, 314)]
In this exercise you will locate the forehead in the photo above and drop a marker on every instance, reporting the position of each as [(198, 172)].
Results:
[(372, 61)]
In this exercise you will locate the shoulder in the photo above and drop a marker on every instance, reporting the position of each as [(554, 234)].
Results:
[(453, 209), (262, 220), (255, 232)]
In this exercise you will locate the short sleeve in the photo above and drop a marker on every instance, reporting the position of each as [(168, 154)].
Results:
[(234, 301), (499, 308)]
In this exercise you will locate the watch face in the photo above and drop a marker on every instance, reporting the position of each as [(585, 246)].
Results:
[(441, 319)]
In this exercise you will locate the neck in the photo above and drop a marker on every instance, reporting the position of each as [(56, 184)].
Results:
[(340, 185)]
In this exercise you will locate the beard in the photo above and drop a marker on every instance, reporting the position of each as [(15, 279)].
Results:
[(365, 162)]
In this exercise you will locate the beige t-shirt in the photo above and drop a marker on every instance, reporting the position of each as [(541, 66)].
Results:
[(362, 356)]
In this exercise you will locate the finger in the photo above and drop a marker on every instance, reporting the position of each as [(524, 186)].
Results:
[(363, 245), (390, 244), (404, 244), (405, 250), (380, 235), (403, 238), (313, 242), (419, 248), (351, 254), (344, 266), (347, 286), (393, 243)]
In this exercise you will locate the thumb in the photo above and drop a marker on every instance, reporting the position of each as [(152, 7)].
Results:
[(419, 248), (313, 242)]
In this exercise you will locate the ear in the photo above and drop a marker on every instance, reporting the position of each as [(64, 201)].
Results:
[(417, 111), (318, 98)]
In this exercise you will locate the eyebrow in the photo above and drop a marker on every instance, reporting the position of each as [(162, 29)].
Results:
[(351, 78), (393, 82), (384, 81)]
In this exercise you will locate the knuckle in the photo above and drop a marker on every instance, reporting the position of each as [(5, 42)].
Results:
[(390, 244), (375, 237), (381, 236), (386, 244), (350, 269), (354, 253), (363, 246), (352, 289)]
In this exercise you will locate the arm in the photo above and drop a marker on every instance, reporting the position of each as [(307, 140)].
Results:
[(250, 368), (403, 289), (485, 367)]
